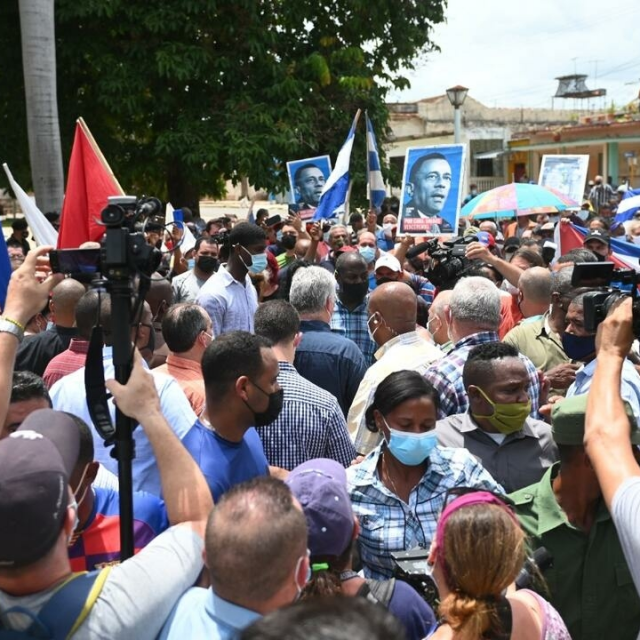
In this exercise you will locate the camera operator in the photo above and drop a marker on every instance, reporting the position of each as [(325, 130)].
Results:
[(580, 345), (607, 428)]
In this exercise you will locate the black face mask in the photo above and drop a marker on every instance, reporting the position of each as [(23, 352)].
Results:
[(354, 291), (380, 281), (288, 242), (263, 418), (207, 264)]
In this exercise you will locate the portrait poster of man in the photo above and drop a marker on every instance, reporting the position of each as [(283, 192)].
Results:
[(566, 174), (307, 178), (431, 188)]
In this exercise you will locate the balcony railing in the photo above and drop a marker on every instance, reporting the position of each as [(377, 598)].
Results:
[(486, 184)]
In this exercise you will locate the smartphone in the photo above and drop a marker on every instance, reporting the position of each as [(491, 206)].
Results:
[(81, 264), (273, 220)]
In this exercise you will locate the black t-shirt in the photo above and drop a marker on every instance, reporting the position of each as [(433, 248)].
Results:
[(35, 352)]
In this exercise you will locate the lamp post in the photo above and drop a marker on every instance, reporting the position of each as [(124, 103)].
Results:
[(456, 97)]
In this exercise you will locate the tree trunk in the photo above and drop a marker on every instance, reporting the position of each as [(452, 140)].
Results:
[(182, 191), (39, 65)]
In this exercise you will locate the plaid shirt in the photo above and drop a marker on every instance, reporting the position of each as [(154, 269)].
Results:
[(446, 376), (310, 425), (66, 362), (387, 524), (353, 325)]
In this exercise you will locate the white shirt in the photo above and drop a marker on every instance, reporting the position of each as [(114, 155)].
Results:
[(230, 304), (406, 351), (68, 394)]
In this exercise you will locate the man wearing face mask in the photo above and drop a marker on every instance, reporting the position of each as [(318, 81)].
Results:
[(186, 286), (229, 296), (392, 322), (350, 314), (240, 372), (496, 428), (580, 345), (287, 238), (257, 560), (95, 542)]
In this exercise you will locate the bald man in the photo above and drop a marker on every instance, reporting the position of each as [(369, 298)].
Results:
[(438, 325), (160, 298), (392, 322), (37, 350), (534, 292)]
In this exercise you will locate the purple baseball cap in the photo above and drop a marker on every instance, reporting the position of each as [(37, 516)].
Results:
[(320, 486), (36, 462)]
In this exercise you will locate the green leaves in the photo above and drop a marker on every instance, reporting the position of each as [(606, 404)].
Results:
[(181, 93)]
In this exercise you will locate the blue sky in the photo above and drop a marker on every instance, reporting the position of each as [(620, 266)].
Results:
[(508, 52)]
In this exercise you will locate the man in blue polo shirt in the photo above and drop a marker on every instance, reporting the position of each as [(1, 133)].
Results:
[(240, 373), (256, 554)]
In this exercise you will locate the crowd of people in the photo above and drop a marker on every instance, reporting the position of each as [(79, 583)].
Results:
[(316, 408)]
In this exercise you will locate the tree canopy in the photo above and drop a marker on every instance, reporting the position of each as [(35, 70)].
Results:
[(183, 94)]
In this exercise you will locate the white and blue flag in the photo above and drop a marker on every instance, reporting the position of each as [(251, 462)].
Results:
[(375, 182), (335, 194)]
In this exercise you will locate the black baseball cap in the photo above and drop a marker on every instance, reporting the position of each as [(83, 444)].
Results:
[(511, 244), (36, 462), (597, 234)]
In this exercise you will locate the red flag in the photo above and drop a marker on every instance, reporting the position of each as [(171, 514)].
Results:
[(89, 183), (572, 237)]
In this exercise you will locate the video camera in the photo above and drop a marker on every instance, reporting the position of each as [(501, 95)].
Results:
[(611, 285), (124, 251), (447, 262)]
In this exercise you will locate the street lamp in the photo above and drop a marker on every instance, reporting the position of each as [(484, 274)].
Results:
[(456, 97)]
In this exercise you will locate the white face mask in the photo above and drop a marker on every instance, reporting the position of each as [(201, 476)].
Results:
[(635, 239), (387, 228)]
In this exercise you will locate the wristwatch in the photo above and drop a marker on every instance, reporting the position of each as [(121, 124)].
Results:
[(12, 327)]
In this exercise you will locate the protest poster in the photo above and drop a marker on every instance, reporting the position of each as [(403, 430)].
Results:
[(431, 188), (566, 174), (307, 178)]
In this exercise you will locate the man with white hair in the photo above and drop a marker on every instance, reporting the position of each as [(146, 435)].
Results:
[(327, 359), (474, 318), (490, 227)]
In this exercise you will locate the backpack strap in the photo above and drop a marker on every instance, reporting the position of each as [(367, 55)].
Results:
[(69, 606)]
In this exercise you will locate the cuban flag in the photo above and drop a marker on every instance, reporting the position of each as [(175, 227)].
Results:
[(625, 255), (375, 183), (335, 194), (629, 205)]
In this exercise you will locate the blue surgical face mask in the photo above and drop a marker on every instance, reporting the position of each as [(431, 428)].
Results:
[(411, 449), (191, 262), (368, 253), (258, 261)]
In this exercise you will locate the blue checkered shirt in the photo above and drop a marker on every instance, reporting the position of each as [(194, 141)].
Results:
[(446, 376), (310, 425), (387, 524), (353, 325)]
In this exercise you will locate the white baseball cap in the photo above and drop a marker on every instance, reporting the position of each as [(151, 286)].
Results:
[(388, 261)]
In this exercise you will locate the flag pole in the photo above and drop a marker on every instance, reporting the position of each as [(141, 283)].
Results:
[(98, 152)]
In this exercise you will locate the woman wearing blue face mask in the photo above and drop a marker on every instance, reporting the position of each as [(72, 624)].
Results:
[(398, 490)]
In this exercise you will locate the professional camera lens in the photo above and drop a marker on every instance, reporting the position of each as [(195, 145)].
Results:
[(113, 215)]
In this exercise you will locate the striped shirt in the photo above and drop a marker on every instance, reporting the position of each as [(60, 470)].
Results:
[(310, 425), (353, 325)]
